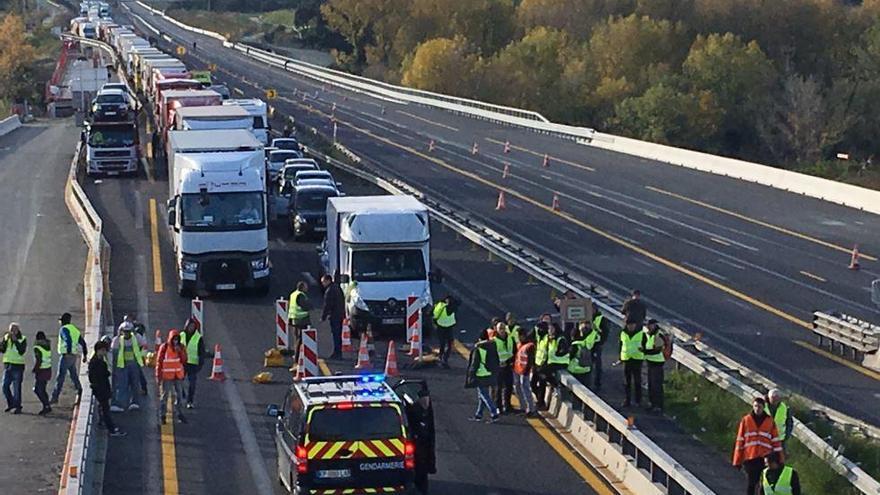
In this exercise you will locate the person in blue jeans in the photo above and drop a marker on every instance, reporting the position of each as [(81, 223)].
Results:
[(127, 350), (70, 342), (482, 374), (13, 346)]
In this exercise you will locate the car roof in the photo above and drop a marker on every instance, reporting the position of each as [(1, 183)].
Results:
[(314, 182), (284, 140), (348, 388), (322, 173), (303, 161)]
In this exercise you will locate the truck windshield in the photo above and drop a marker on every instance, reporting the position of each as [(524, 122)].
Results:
[(387, 265), (312, 201), (119, 136), (222, 211), (357, 423)]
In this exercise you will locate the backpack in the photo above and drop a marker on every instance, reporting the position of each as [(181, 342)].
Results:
[(667, 346), (584, 357)]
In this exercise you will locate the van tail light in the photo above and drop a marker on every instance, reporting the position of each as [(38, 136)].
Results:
[(409, 455), (302, 460)]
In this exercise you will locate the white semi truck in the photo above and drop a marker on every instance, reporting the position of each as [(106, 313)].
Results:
[(379, 249), (217, 211)]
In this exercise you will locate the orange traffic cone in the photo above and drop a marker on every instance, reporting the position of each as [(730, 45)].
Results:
[(546, 162), (555, 202), (501, 205), (391, 361), (506, 172), (506, 147), (854, 259), (158, 341), (346, 337), (363, 355), (475, 149), (430, 146), (415, 343), (217, 373)]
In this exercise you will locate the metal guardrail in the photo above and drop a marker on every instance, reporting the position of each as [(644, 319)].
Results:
[(693, 355), (850, 333), (9, 124), (77, 476)]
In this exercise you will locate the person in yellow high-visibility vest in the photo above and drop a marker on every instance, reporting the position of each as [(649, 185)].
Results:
[(632, 358), (298, 307), (13, 346), (42, 370), (128, 359)]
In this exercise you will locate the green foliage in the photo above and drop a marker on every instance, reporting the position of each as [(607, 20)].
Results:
[(442, 65), (16, 61)]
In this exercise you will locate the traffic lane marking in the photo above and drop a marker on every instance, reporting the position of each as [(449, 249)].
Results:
[(574, 460), (428, 121), (812, 276), (840, 360), (550, 157), (170, 482), (158, 286), (755, 221)]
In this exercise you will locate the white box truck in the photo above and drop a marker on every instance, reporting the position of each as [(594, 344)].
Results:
[(212, 117), (217, 211), (379, 249)]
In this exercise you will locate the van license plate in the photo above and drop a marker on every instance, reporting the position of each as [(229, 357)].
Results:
[(225, 286), (334, 473), (392, 321)]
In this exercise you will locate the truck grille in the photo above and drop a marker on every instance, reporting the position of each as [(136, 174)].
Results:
[(224, 271), (99, 154), (392, 308)]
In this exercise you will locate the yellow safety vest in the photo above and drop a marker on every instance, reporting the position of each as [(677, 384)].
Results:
[(505, 348), (45, 357), (597, 323), (629, 348), (442, 317), (554, 358), (783, 484), (649, 344), (74, 340), (12, 356), (541, 350), (779, 418), (481, 366), (192, 347), (574, 366), (294, 312), (135, 349)]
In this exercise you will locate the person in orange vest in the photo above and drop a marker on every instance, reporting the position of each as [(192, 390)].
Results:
[(756, 438), (523, 362), (170, 374)]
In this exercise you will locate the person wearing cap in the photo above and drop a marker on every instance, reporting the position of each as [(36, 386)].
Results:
[(779, 479), (42, 370), (652, 349), (13, 346), (192, 341), (99, 379), (778, 410), (70, 342), (128, 360)]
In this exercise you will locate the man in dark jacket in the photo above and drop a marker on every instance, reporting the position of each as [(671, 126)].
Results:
[(602, 325), (420, 416), (482, 374), (334, 312), (42, 370), (99, 378), (635, 309)]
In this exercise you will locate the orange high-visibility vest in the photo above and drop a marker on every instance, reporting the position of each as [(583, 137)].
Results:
[(172, 366), (755, 441), (521, 363)]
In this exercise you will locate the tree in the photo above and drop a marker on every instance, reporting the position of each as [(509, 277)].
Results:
[(442, 65), (665, 114), (16, 60), (363, 23), (575, 17)]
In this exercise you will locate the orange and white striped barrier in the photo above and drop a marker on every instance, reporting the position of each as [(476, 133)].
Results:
[(309, 352), (282, 335), (217, 373), (198, 314), (413, 316)]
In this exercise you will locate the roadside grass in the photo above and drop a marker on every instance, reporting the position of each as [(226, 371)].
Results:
[(712, 415), (230, 24), (282, 17)]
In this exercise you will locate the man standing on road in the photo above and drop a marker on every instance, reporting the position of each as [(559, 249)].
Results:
[(192, 341), (778, 410), (539, 372), (602, 326), (779, 479), (127, 363), (420, 416), (482, 375), (756, 438), (634, 309), (42, 370), (632, 357), (444, 321), (523, 363), (70, 341), (652, 347), (298, 307), (505, 347), (170, 375), (334, 312), (99, 379), (580, 359), (13, 347)]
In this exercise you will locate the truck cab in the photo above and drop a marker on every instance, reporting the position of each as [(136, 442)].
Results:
[(259, 112), (378, 247), (217, 211)]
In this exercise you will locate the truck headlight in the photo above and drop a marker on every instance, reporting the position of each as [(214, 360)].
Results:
[(260, 263), (189, 266)]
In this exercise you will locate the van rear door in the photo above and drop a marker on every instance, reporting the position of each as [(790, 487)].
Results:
[(357, 445)]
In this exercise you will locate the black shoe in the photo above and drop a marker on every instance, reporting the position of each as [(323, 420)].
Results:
[(44, 411), (17, 410), (533, 414), (54, 400), (8, 409), (118, 433), (181, 418)]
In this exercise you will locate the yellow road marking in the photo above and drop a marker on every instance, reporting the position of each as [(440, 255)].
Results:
[(719, 241), (325, 370), (154, 239), (586, 226), (552, 158), (427, 121), (812, 276), (837, 359), (586, 472), (170, 482), (755, 221)]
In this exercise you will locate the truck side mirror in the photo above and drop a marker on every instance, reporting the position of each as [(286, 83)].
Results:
[(171, 204), (436, 276), (344, 279)]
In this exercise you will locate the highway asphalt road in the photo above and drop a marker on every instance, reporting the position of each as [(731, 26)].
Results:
[(42, 257), (743, 264)]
